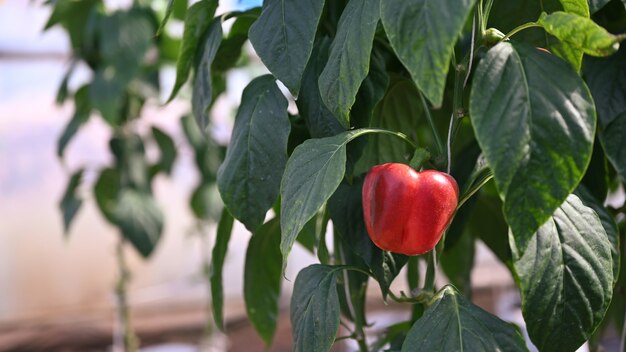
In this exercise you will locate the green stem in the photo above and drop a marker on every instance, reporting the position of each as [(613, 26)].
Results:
[(486, 13), (473, 190), (431, 123), (429, 283), (206, 273), (519, 29), (125, 334), (481, 17), (400, 135)]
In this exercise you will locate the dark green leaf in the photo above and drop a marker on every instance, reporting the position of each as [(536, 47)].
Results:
[(319, 120), (494, 232), (249, 178), (74, 16), (140, 220), (231, 47), (202, 82), (106, 191), (167, 150), (606, 78), (457, 263), (82, 109), (262, 279), (596, 179), (565, 278), (580, 33), (206, 202), (70, 203), (608, 223), (224, 230), (195, 137), (399, 111), (131, 161), (425, 49), (315, 309), (197, 22), (543, 110), (283, 37), (452, 323), (349, 57), (313, 173), (346, 211), (613, 138)]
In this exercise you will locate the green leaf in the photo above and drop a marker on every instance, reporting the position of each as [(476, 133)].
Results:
[(606, 77), (231, 47), (613, 137), (346, 211), (571, 53), (319, 120), (262, 279), (197, 22), (167, 150), (452, 323), (82, 110), (249, 178), (124, 38), (608, 223), (74, 16), (312, 175), (493, 233), (224, 230), (425, 49), (70, 203), (283, 37), (457, 263), (206, 202), (106, 191), (565, 278), (139, 219), (315, 309), (168, 12), (349, 58), (543, 110), (580, 32), (400, 111), (202, 82)]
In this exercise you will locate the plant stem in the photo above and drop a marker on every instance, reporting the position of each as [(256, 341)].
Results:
[(400, 135), (623, 339), (206, 273), (431, 123), (473, 190), (359, 333), (429, 283), (125, 337), (519, 29)]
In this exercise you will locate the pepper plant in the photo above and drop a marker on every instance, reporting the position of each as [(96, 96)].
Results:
[(522, 102)]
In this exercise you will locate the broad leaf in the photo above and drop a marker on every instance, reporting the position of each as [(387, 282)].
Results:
[(580, 33), (167, 151), (249, 178), (425, 49), (139, 219), (124, 38), (613, 138), (231, 47), (565, 278), (262, 279), (315, 309), (319, 120), (349, 58), (168, 12), (543, 110), (82, 109), (400, 111), (452, 323), (606, 78), (346, 211), (74, 16), (197, 22), (70, 203), (106, 192), (608, 223), (224, 230), (202, 82), (283, 37), (312, 175)]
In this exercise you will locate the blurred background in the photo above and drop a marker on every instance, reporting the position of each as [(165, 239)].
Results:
[(56, 289)]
